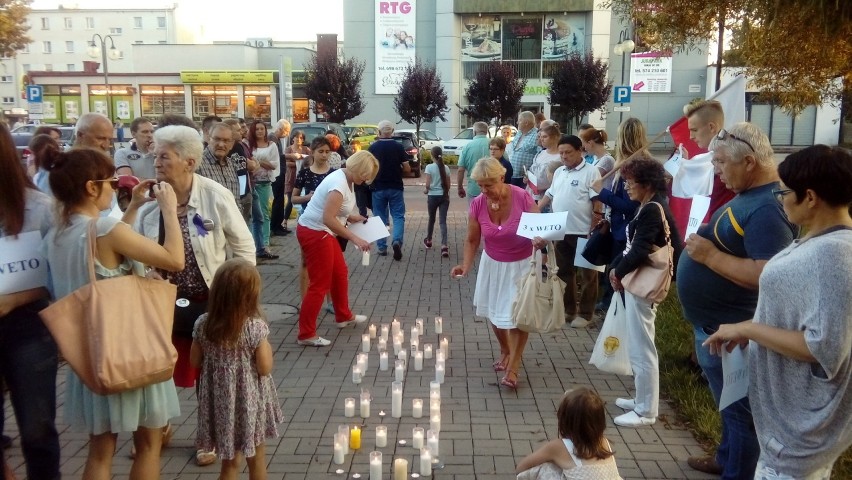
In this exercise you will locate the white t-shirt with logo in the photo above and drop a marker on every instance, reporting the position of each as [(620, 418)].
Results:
[(571, 192), (334, 182)]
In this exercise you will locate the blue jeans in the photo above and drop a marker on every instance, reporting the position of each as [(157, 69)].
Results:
[(739, 450), (28, 364), (260, 214), (256, 231), (383, 201)]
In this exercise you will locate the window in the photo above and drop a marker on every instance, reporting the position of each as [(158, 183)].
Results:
[(26, 48), (138, 42), (6, 79), (90, 23), (69, 46), (137, 22), (71, 67), (48, 67), (161, 22), (160, 99), (115, 31), (45, 23), (69, 24), (46, 47), (8, 99), (162, 42), (26, 67)]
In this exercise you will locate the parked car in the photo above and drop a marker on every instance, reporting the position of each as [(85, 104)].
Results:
[(23, 134), (455, 146), (412, 151), (427, 138), (315, 129), (366, 134)]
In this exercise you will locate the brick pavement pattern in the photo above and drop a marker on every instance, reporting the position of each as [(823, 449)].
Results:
[(486, 429)]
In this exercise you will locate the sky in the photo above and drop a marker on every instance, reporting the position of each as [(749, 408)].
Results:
[(282, 20)]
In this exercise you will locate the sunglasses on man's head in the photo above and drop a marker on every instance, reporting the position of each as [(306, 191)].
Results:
[(723, 134)]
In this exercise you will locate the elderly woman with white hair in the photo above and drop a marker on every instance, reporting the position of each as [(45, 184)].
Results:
[(211, 224)]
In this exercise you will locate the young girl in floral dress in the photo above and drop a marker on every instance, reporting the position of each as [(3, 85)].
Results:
[(238, 406)]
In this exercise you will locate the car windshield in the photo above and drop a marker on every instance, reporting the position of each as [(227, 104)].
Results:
[(465, 134), (310, 133)]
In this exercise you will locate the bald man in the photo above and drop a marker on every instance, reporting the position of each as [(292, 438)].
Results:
[(93, 130)]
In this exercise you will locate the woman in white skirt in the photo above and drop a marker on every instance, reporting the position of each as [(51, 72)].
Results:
[(494, 218)]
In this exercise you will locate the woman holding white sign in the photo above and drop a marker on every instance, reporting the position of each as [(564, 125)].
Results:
[(28, 354)]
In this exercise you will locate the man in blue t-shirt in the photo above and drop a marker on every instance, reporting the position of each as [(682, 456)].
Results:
[(388, 188), (718, 272)]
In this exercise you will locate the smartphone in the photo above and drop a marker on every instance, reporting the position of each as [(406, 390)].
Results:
[(151, 191)]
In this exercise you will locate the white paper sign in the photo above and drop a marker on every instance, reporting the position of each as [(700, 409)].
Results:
[(700, 206), (673, 164), (371, 231), (735, 376), (580, 260), (22, 266), (549, 226), (532, 178), (243, 179)]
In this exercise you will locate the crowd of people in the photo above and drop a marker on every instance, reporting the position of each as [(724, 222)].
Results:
[(768, 270)]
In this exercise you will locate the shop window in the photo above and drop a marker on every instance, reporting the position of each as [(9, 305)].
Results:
[(220, 100), (162, 99), (258, 104)]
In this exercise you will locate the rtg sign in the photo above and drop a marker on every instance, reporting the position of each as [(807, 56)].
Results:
[(395, 39)]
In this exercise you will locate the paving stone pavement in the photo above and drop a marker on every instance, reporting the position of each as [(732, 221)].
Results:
[(485, 429)]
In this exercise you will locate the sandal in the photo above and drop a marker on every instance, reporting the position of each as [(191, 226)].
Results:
[(427, 242), (168, 433), (500, 365), (445, 251), (508, 382), (204, 458)]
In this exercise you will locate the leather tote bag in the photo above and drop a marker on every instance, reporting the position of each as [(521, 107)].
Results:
[(652, 280), (115, 332), (598, 250), (538, 304)]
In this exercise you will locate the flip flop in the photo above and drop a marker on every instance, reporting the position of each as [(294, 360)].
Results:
[(508, 382), (500, 365)]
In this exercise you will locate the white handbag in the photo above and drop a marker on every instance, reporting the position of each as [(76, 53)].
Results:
[(611, 353), (538, 306)]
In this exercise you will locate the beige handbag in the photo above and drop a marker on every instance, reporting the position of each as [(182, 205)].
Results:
[(116, 332), (538, 306), (652, 280)]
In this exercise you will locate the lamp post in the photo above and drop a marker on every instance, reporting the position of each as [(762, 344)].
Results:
[(96, 50), (623, 48)]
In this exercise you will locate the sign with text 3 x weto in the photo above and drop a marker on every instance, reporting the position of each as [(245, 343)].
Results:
[(22, 266), (549, 226)]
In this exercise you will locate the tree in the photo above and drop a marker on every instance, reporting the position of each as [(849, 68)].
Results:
[(13, 26), (421, 96), (335, 85), (579, 86), (495, 93)]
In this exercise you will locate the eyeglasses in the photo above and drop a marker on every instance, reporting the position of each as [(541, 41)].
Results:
[(779, 193), (629, 184), (113, 182), (723, 134), (215, 140)]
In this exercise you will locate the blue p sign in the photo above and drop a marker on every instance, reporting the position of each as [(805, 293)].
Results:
[(621, 94), (34, 93)]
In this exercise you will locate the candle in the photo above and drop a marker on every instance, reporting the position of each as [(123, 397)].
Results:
[(418, 361), (396, 399), (425, 462), (399, 370), (402, 355), (395, 327), (384, 332), (363, 362), (372, 330), (434, 406), (376, 465), (427, 350), (415, 345), (400, 469), (356, 374), (365, 258), (415, 332), (434, 390), (355, 438), (439, 356), (419, 323), (439, 325), (365, 404), (435, 422), (418, 437), (432, 441), (417, 408), (339, 453), (397, 345), (439, 373), (365, 342), (383, 361), (445, 347), (381, 436), (383, 345), (349, 407)]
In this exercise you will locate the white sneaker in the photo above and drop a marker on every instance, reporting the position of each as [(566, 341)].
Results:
[(633, 419), (317, 342), (625, 403), (355, 320), (579, 322)]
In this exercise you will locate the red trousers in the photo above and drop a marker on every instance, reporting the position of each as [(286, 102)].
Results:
[(327, 272)]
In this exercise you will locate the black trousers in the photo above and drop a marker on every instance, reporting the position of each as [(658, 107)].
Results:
[(276, 217)]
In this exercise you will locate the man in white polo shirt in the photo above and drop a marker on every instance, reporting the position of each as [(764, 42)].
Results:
[(570, 192)]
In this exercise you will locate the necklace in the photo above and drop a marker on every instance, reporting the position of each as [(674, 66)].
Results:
[(495, 206)]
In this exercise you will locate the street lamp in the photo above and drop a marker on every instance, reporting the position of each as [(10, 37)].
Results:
[(623, 48), (94, 51)]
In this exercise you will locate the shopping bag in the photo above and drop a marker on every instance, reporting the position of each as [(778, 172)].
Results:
[(611, 352), (538, 306)]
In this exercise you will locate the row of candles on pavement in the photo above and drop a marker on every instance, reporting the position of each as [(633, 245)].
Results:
[(426, 442)]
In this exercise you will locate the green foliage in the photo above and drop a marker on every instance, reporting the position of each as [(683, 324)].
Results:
[(421, 96), (13, 26), (580, 86), (494, 93), (335, 85)]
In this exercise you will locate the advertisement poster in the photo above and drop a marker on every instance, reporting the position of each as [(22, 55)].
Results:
[(395, 43), (72, 110), (480, 38), (651, 72), (100, 106), (49, 109), (563, 34), (122, 109)]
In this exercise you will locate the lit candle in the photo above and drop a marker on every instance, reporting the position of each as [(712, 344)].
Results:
[(417, 408), (384, 332), (395, 327), (425, 462), (339, 453), (415, 345), (383, 361), (439, 356), (439, 373), (435, 422), (396, 399), (372, 330), (397, 345), (349, 408), (376, 465), (356, 374), (419, 323), (432, 441), (415, 332), (445, 347), (355, 438), (402, 355), (383, 345), (363, 362), (365, 404), (417, 437), (439, 325), (400, 469), (434, 406), (365, 342), (434, 390), (381, 436), (399, 370), (427, 350)]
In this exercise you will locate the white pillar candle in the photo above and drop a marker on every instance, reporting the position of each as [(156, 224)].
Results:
[(432, 442), (381, 436), (343, 434), (399, 370), (356, 374), (445, 347), (415, 332), (435, 422), (439, 325), (434, 406), (365, 405), (400, 469), (418, 439), (427, 350), (415, 345), (397, 345), (402, 355), (383, 361), (349, 408), (439, 373), (396, 399), (339, 453), (384, 331), (425, 462), (363, 362), (419, 323), (395, 327), (383, 345), (365, 342), (376, 465), (418, 361), (434, 390), (417, 408), (439, 356), (372, 330)]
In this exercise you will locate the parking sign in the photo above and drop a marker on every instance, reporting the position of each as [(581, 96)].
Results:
[(621, 94), (34, 93)]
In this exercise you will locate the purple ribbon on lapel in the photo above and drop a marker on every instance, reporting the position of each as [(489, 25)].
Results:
[(200, 225)]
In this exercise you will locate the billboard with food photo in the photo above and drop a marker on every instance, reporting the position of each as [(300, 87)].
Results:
[(480, 38), (563, 34)]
